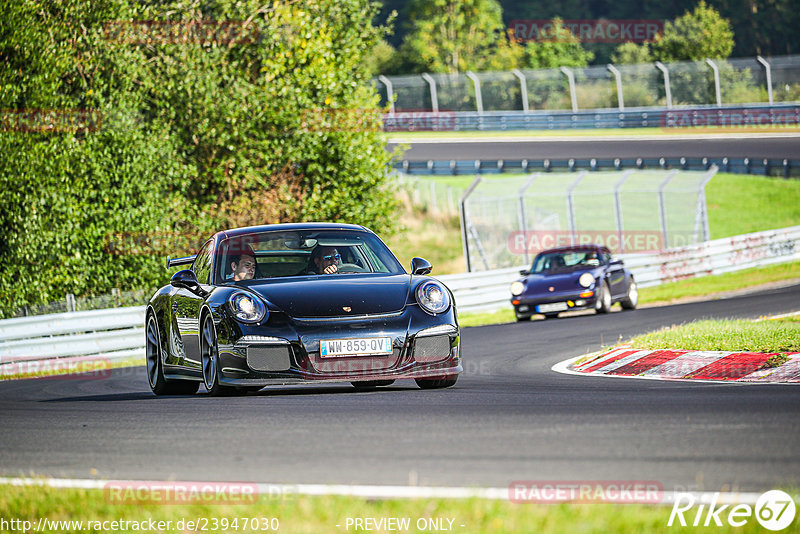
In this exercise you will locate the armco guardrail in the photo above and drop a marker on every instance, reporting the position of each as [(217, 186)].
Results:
[(724, 118), (118, 332), (113, 333), (784, 167)]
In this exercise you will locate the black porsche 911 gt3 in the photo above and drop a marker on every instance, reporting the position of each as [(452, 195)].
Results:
[(299, 303)]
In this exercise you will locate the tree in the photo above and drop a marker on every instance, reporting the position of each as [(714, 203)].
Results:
[(457, 36), (631, 54), (561, 49), (694, 36)]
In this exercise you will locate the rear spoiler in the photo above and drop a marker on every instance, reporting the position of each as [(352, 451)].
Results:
[(186, 260)]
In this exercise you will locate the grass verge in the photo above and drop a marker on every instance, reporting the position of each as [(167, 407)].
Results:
[(774, 335), (600, 132), (301, 514)]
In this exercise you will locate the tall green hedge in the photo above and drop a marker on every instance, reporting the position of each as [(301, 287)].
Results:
[(184, 134)]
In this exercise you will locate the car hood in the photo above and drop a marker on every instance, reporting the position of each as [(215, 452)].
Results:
[(565, 281), (329, 295)]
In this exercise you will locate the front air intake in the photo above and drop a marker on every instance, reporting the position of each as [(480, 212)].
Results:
[(432, 348), (261, 358)]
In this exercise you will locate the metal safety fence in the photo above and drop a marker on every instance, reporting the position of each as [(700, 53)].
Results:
[(663, 85), (504, 221)]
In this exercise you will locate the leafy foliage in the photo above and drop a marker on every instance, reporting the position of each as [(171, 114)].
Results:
[(696, 35), (192, 135)]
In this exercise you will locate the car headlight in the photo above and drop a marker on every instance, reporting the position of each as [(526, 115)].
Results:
[(586, 279), (247, 308), (432, 297), (517, 288)]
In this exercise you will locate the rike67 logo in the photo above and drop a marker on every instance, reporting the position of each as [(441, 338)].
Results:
[(774, 510)]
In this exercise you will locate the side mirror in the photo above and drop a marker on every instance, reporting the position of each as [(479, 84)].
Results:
[(185, 279), (420, 266), (524, 272)]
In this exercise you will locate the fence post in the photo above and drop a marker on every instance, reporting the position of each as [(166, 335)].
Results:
[(702, 210), (667, 89), (571, 206), (618, 75), (70, 302), (768, 72), (389, 92), (571, 79), (523, 218), (662, 209), (434, 98), (618, 207), (716, 80), (478, 97), (523, 86), (433, 198), (465, 220)]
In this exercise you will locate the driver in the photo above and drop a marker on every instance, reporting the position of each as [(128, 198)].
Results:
[(242, 264), (325, 260)]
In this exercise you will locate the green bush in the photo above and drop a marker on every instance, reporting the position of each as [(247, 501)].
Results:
[(185, 137)]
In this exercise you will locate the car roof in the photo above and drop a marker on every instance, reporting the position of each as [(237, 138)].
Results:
[(288, 227), (591, 247)]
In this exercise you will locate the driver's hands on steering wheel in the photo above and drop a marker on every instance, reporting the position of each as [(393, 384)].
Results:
[(330, 269)]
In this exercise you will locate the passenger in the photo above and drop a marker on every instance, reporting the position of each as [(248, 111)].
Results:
[(243, 266)]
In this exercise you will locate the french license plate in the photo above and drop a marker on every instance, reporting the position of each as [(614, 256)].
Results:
[(552, 307), (361, 346)]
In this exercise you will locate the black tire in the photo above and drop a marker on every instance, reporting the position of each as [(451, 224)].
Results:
[(603, 304), (521, 318), (155, 370), (631, 300), (436, 383), (209, 358), (371, 384)]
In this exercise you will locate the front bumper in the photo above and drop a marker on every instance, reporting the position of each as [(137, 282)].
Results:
[(288, 352), (525, 306)]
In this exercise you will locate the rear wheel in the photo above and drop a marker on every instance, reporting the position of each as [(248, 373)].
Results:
[(155, 369), (603, 304), (436, 383), (209, 356), (371, 384), (631, 300)]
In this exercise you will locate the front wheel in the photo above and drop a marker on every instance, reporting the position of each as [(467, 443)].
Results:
[(155, 369), (209, 356), (603, 304), (631, 300), (437, 383)]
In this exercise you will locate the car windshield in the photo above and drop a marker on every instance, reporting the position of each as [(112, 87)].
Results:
[(280, 254), (566, 261)]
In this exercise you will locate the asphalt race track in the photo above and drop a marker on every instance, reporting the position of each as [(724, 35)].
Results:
[(755, 147), (509, 418)]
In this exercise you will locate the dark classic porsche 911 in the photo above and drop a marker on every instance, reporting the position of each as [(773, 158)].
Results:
[(573, 278), (299, 303)]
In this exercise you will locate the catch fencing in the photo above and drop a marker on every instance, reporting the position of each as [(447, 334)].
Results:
[(504, 221), (118, 333), (649, 85)]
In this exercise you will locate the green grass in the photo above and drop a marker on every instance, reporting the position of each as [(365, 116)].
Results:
[(777, 335), (299, 514), (709, 285), (605, 132), (741, 204)]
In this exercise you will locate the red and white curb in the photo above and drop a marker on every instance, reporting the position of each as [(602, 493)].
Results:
[(627, 362)]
